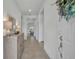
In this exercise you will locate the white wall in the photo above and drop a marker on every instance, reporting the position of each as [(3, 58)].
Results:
[(37, 29), (24, 26), (40, 19), (53, 29), (9, 8), (50, 28)]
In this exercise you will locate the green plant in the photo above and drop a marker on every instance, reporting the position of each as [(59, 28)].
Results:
[(66, 8)]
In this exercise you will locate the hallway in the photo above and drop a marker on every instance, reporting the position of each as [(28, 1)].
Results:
[(33, 50), (49, 21)]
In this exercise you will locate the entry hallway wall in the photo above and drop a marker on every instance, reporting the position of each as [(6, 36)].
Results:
[(50, 28), (67, 30), (53, 29)]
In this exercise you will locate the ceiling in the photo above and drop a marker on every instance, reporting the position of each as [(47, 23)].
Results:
[(33, 5)]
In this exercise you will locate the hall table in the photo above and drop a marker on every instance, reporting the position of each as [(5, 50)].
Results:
[(13, 46)]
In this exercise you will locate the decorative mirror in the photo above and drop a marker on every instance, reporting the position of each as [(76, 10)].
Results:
[(8, 24)]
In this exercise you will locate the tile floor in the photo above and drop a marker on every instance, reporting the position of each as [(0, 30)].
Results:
[(33, 50)]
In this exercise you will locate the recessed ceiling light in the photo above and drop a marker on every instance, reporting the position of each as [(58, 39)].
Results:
[(29, 10)]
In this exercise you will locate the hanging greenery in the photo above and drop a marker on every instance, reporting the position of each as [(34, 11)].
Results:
[(66, 8)]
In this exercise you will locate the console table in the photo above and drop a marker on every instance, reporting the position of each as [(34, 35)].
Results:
[(13, 46)]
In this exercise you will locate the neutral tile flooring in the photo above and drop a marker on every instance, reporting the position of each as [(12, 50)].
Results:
[(33, 50)]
